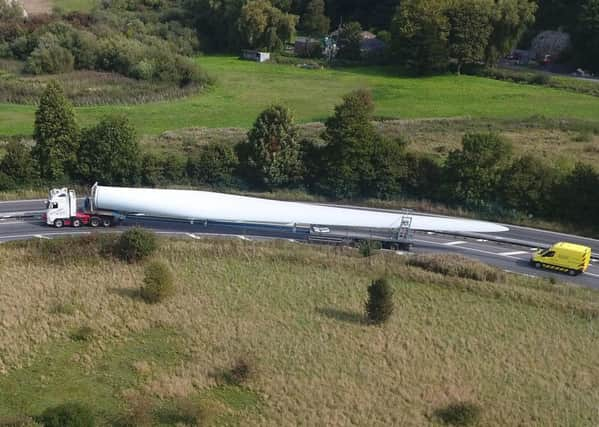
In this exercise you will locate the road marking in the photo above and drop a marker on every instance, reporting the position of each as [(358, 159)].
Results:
[(534, 249), (481, 240), (591, 274), (243, 238), (39, 236), (512, 253), (193, 236), (458, 242), (466, 248)]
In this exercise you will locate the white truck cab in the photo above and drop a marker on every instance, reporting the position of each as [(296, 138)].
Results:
[(61, 207)]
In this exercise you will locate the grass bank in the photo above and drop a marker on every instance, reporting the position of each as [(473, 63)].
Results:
[(243, 89), (521, 349)]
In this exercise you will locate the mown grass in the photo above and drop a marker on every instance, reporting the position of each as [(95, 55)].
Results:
[(74, 5), (522, 350), (244, 88)]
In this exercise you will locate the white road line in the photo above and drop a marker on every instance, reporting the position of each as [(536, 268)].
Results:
[(481, 240), (21, 201), (534, 249), (466, 248), (458, 242), (512, 253), (522, 274), (193, 236), (591, 274), (39, 236)]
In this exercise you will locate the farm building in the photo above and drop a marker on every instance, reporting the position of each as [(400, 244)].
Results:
[(254, 55)]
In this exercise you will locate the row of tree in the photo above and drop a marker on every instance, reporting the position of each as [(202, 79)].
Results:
[(350, 160)]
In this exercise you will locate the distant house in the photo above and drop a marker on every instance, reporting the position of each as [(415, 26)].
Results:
[(254, 55), (370, 45), (307, 47)]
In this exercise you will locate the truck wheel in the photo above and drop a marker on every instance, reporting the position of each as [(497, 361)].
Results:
[(94, 221), (76, 223), (106, 222), (58, 223)]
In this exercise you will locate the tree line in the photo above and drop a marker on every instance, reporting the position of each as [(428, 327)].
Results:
[(351, 160)]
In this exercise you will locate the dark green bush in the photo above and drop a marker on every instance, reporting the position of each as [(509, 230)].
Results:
[(459, 414), (379, 305), (368, 247), (50, 59), (158, 282), (136, 244), (71, 414), (212, 164)]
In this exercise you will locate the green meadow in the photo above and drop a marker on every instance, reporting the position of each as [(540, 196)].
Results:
[(243, 89)]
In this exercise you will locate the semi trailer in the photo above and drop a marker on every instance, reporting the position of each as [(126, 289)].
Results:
[(106, 206)]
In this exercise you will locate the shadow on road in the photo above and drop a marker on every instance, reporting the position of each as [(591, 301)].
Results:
[(342, 315)]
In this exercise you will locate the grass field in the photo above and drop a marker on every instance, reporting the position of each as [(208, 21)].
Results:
[(243, 89), (523, 350)]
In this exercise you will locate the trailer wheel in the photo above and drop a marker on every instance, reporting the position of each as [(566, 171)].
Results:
[(106, 222), (58, 223), (76, 223), (95, 221)]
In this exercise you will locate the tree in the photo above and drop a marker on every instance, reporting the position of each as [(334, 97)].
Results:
[(528, 185), (109, 152), (314, 22), (158, 282), (263, 26), (273, 152), (389, 167), (349, 41), (586, 34), (11, 10), (213, 164), (419, 32), (56, 135), (509, 20), (470, 29), (350, 136), (216, 21), (18, 164), (578, 196), (473, 173), (379, 305)]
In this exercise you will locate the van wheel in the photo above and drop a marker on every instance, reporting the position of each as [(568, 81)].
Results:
[(58, 223), (76, 223), (572, 272), (538, 265), (94, 221)]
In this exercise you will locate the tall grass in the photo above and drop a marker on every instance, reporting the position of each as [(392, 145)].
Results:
[(515, 348)]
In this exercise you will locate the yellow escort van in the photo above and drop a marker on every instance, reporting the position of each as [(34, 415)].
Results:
[(567, 257)]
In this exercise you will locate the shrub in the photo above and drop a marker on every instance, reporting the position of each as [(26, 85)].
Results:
[(457, 266), (239, 373), (84, 333), (72, 414), (157, 283), (540, 79), (459, 414), (379, 305), (136, 244), (369, 247), (213, 164)]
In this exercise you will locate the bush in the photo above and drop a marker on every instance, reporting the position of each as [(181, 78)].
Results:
[(213, 164), (136, 244), (459, 414), (239, 373), (379, 305), (84, 333), (158, 282), (369, 247), (540, 79), (52, 59), (457, 266), (71, 414)]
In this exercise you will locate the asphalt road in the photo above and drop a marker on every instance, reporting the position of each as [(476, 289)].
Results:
[(505, 255)]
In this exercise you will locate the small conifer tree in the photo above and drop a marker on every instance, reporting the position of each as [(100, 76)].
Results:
[(379, 305)]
